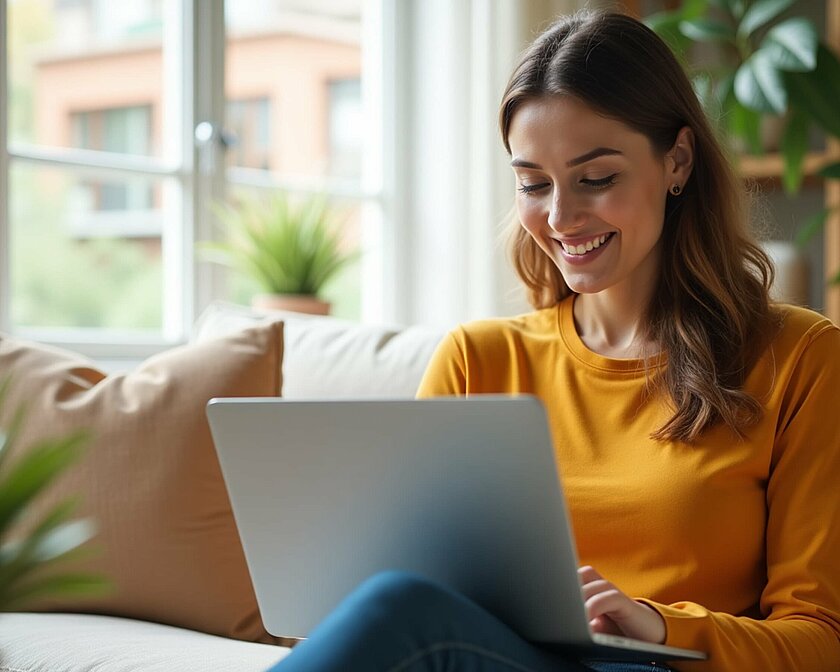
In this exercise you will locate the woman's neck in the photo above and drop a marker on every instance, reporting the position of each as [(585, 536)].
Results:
[(613, 323)]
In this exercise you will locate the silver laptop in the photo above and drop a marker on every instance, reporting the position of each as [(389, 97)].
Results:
[(462, 491)]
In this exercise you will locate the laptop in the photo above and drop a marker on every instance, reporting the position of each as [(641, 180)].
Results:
[(464, 491)]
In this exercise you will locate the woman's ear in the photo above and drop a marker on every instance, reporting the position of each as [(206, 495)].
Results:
[(680, 158)]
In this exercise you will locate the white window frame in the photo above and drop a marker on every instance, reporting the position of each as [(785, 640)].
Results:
[(196, 65)]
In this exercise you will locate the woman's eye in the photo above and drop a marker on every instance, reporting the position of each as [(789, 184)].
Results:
[(600, 183), (531, 188)]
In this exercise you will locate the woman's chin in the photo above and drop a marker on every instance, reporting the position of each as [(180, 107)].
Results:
[(584, 285)]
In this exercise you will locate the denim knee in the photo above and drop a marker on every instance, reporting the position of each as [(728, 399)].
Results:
[(395, 591)]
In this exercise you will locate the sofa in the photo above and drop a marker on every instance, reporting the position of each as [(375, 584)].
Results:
[(181, 598)]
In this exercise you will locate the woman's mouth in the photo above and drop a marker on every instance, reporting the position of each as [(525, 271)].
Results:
[(582, 251), (587, 246)]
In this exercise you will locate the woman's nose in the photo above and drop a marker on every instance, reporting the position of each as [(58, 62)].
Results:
[(561, 213)]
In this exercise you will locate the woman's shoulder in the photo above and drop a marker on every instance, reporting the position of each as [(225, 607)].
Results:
[(799, 325), (537, 324), (804, 338)]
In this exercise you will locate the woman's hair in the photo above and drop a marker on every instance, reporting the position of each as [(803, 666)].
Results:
[(710, 312)]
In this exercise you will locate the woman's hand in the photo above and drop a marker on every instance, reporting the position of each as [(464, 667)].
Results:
[(612, 612)]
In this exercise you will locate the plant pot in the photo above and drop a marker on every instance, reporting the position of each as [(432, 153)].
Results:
[(297, 303)]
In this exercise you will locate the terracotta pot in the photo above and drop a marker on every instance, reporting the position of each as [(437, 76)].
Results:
[(298, 303)]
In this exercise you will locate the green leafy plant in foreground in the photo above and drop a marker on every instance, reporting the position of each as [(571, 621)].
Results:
[(27, 563), (287, 247)]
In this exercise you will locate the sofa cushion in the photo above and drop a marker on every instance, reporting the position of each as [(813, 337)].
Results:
[(150, 478), (75, 643), (325, 357)]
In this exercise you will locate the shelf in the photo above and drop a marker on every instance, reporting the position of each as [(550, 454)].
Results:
[(772, 165)]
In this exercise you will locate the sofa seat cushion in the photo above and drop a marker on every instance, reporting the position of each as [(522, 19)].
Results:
[(81, 643)]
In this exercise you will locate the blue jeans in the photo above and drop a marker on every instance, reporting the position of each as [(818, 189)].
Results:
[(399, 622)]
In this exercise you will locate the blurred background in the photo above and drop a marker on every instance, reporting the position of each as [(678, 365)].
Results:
[(126, 126)]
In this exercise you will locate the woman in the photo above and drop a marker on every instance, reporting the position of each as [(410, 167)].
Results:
[(694, 420)]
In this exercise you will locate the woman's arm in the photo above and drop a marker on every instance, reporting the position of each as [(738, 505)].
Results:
[(801, 599)]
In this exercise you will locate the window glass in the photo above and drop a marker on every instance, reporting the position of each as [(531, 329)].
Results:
[(78, 260), (301, 59), (293, 78), (86, 74)]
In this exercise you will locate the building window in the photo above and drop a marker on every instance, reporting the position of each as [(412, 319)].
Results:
[(345, 124), (250, 123)]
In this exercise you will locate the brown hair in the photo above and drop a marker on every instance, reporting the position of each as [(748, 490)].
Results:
[(710, 313)]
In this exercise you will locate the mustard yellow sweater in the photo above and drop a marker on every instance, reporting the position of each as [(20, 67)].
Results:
[(735, 542)]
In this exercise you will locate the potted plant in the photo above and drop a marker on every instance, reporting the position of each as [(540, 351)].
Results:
[(27, 561), (770, 66), (290, 248)]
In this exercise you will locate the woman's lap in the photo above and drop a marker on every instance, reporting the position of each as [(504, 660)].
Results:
[(397, 622)]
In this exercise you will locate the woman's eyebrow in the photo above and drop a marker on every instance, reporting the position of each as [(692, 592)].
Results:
[(521, 163), (594, 154), (583, 158)]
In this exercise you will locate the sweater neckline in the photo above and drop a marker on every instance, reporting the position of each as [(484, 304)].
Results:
[(575, 345)]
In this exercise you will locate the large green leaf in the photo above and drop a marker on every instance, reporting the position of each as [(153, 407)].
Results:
[(34, 471), (56, 585), (759, 85), (794, 146), (831, 171), (812, 226), (691, 9), (735, 8), (818, 92), (666, 25), (792, 45), (760, 13), (707, 30), (739, 122)]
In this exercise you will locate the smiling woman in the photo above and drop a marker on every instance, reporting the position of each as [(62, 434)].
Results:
[(691, 416), (596, 213)]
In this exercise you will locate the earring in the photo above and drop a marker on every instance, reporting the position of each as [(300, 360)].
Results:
[(675, 189)]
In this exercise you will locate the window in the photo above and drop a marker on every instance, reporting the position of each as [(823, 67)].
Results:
[(345, 105), (107, 194), (297, 124), (249, 122)]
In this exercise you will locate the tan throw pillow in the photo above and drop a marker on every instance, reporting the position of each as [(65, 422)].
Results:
[(150, 477)]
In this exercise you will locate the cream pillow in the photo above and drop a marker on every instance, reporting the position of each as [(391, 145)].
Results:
[(150, 477), (331, 358)]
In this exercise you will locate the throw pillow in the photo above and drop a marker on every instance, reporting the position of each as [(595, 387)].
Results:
[(150, 478), (327, 357)]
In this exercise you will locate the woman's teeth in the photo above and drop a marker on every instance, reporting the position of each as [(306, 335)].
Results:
[(583, 248)]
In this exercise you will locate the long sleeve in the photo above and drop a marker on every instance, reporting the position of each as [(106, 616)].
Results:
[(801, 600), (446, 373)]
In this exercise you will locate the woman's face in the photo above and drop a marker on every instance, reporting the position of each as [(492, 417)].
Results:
[(591, 192)]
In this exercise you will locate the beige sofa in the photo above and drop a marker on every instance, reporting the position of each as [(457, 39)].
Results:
[(321, 358)]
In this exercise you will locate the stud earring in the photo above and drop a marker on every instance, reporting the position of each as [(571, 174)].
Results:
[(675, 189)]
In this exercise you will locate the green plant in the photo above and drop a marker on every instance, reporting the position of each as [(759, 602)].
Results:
[(27, 561), (287, 247), (770, 64)]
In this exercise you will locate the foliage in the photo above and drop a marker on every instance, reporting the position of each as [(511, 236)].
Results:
[(287, 247), (52, 540), (772, 64), (61, 280), (106, 283)]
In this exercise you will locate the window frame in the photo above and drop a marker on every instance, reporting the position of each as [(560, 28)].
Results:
[(194, 87)]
